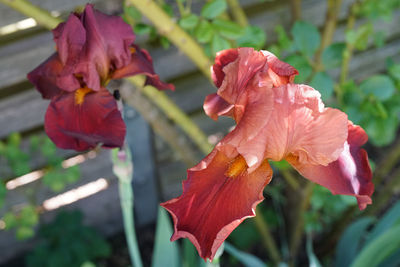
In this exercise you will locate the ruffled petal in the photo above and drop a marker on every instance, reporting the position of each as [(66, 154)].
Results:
[(108, 39), (83, 126), (239, 72), (141, 63), (350, 174), (300, 125), (45, 76), (70, 37), (213, 205), (215, 106), (222, 59), (280, 72)]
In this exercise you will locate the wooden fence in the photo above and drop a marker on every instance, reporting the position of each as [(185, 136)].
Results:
[(22, 109)]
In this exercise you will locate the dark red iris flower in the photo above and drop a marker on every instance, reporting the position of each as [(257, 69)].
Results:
[(276, 119), (92, 48)]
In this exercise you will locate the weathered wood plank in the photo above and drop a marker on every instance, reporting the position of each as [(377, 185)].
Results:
[(41, 46)]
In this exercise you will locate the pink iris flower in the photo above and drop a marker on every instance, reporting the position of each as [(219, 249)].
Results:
[(92, 48), (276, 120)]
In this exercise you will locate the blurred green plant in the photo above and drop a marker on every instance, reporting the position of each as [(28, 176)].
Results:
[(67, 242), (19, 158), (371, 242)]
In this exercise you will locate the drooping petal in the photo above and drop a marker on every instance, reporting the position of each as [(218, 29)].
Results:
[(280, 72), (45, 76), (216, 106), (350, 174), (141, 63), (213, 204), (300, 125), (80, 125)]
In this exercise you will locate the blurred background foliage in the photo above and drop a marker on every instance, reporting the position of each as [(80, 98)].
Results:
[(299, 223)]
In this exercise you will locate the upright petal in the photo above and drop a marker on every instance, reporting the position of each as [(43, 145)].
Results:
[(70, 37), (239, 72), (108, 39), (222, 59), (141, 63), (94, 120), (45, 76), (216, 199), (350, 174)]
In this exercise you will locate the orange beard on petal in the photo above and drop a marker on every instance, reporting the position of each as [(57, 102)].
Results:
[(80, 95), (236, 167)]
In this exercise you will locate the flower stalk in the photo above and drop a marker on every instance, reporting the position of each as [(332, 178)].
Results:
[(123, 169)]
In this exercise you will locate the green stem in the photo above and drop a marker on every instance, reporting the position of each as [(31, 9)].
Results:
[(295, 7), (175, 34), (298, 226), (329, 30), (172, 111), (290, 178), (238, 13), (267, 238), (42, 17), (123, 169), (348, 52), (126, 195)]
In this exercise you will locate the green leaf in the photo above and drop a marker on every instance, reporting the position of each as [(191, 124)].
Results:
[(379, 249), (204, 32), (324, 84), (141, 29), (246, 259), (213, 9), (190, 256), (189, 22), (10, 220), (132, 12), (24, 232), (302, 65), (332, 56), (390, 218), (219, 43), (29, 216), (394, 71), (349, 243), (3, 191), (380, 86), (168, 9), (381, 132), (165, 253), (359, 37), (165, 42), (283, 39), (228, 29), (306, 37), (253, 36)]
